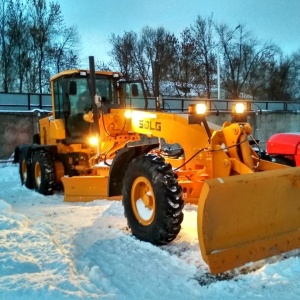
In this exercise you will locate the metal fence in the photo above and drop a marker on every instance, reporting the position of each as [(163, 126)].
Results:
[(181, 104), (24, 102), (29, 102)]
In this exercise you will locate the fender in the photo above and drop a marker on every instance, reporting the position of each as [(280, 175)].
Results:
[(119, 166)]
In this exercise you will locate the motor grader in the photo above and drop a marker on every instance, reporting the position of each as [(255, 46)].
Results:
[(107, 143)]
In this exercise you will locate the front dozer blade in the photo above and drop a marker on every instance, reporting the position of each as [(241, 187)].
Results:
[(246, 218)]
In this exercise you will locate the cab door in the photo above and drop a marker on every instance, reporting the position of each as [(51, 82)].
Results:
[(132, 95)]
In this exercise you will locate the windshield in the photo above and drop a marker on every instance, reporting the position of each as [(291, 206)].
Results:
[(79, 100), (72, 100)]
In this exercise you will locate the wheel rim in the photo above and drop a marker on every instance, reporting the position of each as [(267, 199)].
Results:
[(24, 170), (143, 200), (37, 174)]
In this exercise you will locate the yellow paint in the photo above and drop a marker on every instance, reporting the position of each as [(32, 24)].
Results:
[(249, 217)]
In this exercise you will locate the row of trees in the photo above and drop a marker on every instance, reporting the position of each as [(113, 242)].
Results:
[(204, 53), (34, 45)]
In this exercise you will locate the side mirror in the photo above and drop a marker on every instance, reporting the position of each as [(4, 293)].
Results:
[(72, 88), (134, 90)]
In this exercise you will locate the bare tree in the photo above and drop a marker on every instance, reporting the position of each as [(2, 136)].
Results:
[(123, 48), (101, 65), (44, 26), (202, 32), (278, 83), (7, 45), (34, 44), (18, 32), (294, 76), (135, 56), (63, 51), (242, 55), (182, 69), (159, 49)]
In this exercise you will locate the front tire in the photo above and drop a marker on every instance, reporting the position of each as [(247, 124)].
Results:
[(152, 200), (43, 172)]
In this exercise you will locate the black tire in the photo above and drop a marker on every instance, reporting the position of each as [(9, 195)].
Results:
[(43, 172), (150, 177), (25, 171), (36, 139)]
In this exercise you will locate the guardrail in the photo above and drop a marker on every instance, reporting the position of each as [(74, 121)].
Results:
[(28, 102)]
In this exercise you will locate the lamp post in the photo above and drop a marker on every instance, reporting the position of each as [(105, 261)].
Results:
[(218, 61), (218, 74)]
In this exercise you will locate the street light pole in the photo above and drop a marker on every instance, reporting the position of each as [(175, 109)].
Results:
[(218, 62), (218, 74)]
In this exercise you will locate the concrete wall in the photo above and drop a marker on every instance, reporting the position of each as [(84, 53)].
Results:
[(18, 128), (265, 124), (15, 129)]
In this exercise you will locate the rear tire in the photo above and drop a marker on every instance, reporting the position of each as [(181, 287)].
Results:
[(43, 172), (25, 171), (152, 200)]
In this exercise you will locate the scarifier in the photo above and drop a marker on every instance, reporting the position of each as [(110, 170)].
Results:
[(104, 140)]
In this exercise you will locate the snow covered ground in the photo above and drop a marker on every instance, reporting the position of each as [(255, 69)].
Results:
[(50, 249)]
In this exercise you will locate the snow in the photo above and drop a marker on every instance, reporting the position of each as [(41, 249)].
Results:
[(50, 249)]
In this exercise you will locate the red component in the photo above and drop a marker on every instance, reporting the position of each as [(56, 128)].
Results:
[(297, 156), (284, 144)]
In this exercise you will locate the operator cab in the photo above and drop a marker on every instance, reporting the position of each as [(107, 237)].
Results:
[(72, 99)]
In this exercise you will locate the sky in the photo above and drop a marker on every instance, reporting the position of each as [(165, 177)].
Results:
[(50, 249), (274, 21)]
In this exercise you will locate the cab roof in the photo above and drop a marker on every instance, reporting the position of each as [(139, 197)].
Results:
[(84, 73)]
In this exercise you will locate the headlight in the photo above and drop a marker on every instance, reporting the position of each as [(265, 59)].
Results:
[(128, 114), (199, 109), (93, 140), (239, 113), (238, 108)]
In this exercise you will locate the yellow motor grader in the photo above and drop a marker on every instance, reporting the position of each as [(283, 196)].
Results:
[(103, 140)]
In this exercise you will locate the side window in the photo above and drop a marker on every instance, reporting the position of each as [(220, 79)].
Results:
[(73, 100), (104, 89), (81, 100), (134, 95), (57, 94)]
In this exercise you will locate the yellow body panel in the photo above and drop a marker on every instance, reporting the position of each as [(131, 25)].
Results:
[(57, 130), (85, 188), (174, 128), (249, 217)]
